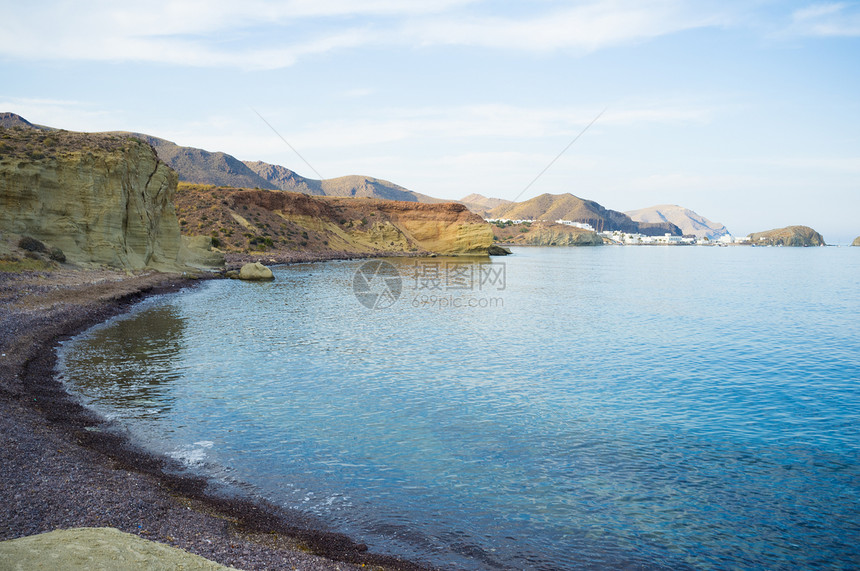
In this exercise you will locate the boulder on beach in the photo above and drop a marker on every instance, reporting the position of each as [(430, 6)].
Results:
[(255, 271)]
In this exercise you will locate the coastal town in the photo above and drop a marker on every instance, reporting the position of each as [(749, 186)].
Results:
[(628, 239), (619, 237)]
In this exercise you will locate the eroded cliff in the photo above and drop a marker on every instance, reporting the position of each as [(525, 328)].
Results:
[(104, 200), (247, 221)]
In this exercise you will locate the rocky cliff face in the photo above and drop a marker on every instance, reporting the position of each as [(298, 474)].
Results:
[(542, 233), (248, 221), (788, 236), (104, 200)]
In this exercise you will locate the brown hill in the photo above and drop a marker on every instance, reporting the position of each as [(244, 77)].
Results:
[(11, 120), (357, 186), (856, 241), (244, 221), (366, 187), (788, 236), (569, 207), (480, 204), (283, 178)]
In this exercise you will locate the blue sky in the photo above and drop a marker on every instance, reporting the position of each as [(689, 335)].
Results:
[(747, 112)]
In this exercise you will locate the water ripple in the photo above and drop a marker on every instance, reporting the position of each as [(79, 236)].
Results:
[(626, 407)]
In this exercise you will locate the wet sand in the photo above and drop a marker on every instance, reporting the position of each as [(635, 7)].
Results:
[(60, 468)]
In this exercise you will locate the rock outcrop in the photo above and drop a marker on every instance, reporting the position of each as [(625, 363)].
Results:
[(104, 200), (197, 252), (856, 241), (97, 548), (544, 233), (495, 250), (256, 272), (796, 236)]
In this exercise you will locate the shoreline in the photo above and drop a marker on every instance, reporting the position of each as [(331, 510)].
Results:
[(61, 468), (234, 261)]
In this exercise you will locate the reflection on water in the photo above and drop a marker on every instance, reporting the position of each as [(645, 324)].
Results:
[(132, 364)]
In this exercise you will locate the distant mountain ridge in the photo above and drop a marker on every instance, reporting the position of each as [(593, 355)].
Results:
[(205, 167), (569, 207), (690, 223), (11, 120), (480, 204), (282, 178), (221, 169)]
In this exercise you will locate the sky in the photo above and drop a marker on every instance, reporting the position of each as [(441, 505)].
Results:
[(747, 112)]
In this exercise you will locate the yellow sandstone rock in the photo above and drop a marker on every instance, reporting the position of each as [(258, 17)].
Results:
[(104, 200), (255, 271), (96, 549)]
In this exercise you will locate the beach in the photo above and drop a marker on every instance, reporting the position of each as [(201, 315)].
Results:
[(60, 468)]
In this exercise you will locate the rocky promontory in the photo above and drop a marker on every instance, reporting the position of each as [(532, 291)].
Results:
[(102, 200), (544, 233), (856, 241), (796, 236)]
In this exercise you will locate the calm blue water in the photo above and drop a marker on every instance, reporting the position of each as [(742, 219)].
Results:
[(610, 407)]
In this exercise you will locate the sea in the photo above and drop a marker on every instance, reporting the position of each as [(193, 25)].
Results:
[(561, 408)]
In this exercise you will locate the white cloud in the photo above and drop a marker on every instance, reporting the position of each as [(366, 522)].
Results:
[(586, 27), (266, 35), (489, 121), (828, 20)]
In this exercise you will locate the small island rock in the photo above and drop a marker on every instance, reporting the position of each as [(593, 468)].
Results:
[(856, 241), (495, 250), (788, 236), (255, 271)]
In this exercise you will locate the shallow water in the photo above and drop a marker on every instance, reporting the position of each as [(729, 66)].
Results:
[(593, 407)]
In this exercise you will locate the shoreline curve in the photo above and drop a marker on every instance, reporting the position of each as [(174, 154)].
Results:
[(60, 468)]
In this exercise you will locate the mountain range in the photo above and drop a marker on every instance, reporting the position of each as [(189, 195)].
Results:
[(199, 166), (221, 169), (205, 167)]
